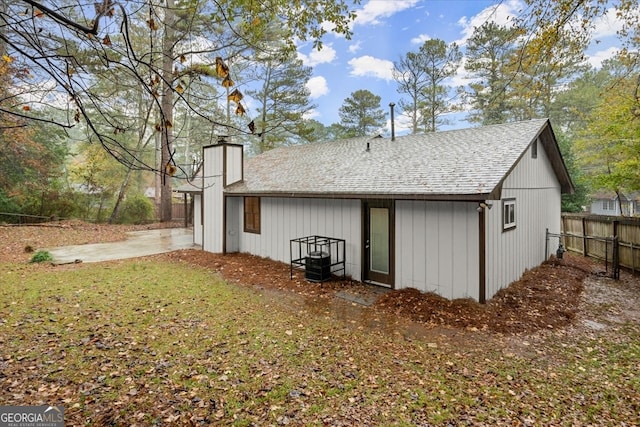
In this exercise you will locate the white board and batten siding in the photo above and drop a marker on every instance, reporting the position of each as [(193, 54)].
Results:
[(284, 219), (235, 223), (197, 219), (212, 199), (233, 163), (436, 248), (536, 190), (222, 166)]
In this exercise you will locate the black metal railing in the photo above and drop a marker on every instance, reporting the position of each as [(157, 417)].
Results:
[(318, 252)]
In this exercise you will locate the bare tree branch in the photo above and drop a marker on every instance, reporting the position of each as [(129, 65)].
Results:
[(103, 9)]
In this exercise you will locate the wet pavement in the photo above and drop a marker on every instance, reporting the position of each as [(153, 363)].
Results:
[(138, 244)]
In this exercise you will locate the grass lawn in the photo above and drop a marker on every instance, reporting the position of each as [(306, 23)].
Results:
[(154, 342)]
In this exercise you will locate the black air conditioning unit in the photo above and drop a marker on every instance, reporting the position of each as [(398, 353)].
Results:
[(317, 266)]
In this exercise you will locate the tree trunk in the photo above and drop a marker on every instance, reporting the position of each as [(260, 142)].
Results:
[(166, 106), (121, 193), (619, 194)]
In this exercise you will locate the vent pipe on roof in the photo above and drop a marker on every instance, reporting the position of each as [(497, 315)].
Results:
[(393, 128)]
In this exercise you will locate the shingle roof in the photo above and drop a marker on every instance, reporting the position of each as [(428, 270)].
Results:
[(466, 162), (193, 186), (611, 195)]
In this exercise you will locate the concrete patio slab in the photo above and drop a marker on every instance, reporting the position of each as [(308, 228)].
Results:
[(138, 244)]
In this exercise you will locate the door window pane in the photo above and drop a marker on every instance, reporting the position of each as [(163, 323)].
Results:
[(379, 240)]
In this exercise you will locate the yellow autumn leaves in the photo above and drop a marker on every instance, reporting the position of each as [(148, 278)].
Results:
[(236, 96)]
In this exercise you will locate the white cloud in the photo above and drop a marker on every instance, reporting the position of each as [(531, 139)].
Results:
[(402, 123), (43, 94), (311, 114), (596, 59), (501, 13), (461, 77), (375, 10), (325, 55), (317, 87), (607, 25), (370, 66), (504, 12), (354, 47), (421, 39)]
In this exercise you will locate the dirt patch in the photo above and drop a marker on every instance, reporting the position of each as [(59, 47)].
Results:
[(610, 303), (549, 297)]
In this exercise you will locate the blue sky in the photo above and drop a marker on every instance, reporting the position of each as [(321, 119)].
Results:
[(386, 30)]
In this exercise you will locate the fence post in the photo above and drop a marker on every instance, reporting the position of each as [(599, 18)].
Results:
[(616, 258), (584, 237), (600, 229), (186, 211), (606, 255), (546, 244)]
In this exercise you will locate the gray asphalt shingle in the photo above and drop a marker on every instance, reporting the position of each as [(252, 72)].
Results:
[(459, 162)]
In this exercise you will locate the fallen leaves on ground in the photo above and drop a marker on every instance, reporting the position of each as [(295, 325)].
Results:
[(18, 242), (163, 341), (546, 297)]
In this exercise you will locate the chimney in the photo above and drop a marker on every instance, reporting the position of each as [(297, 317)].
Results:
[(222, 166), (393, 127)]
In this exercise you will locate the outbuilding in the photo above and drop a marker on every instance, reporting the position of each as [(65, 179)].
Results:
[(462, 213)]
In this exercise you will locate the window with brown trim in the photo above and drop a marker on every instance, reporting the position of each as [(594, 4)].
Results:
[(252, 215), (508, 214)]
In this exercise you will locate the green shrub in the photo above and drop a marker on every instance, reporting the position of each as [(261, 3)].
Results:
[(136, 210), (7, 204), (41, 256), (52, 203)]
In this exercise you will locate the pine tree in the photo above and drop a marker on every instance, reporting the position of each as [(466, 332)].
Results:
[(421, 75), (283, 100), (490, 52), (361, 115)]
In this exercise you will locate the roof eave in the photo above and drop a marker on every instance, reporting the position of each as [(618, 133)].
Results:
[(476, 197)]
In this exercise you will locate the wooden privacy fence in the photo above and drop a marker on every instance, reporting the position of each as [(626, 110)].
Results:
[(615, 240), (179, 211)]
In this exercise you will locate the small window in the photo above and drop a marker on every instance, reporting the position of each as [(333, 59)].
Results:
[(609, 205), (252, 215), (534, 149), (508, 214)]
